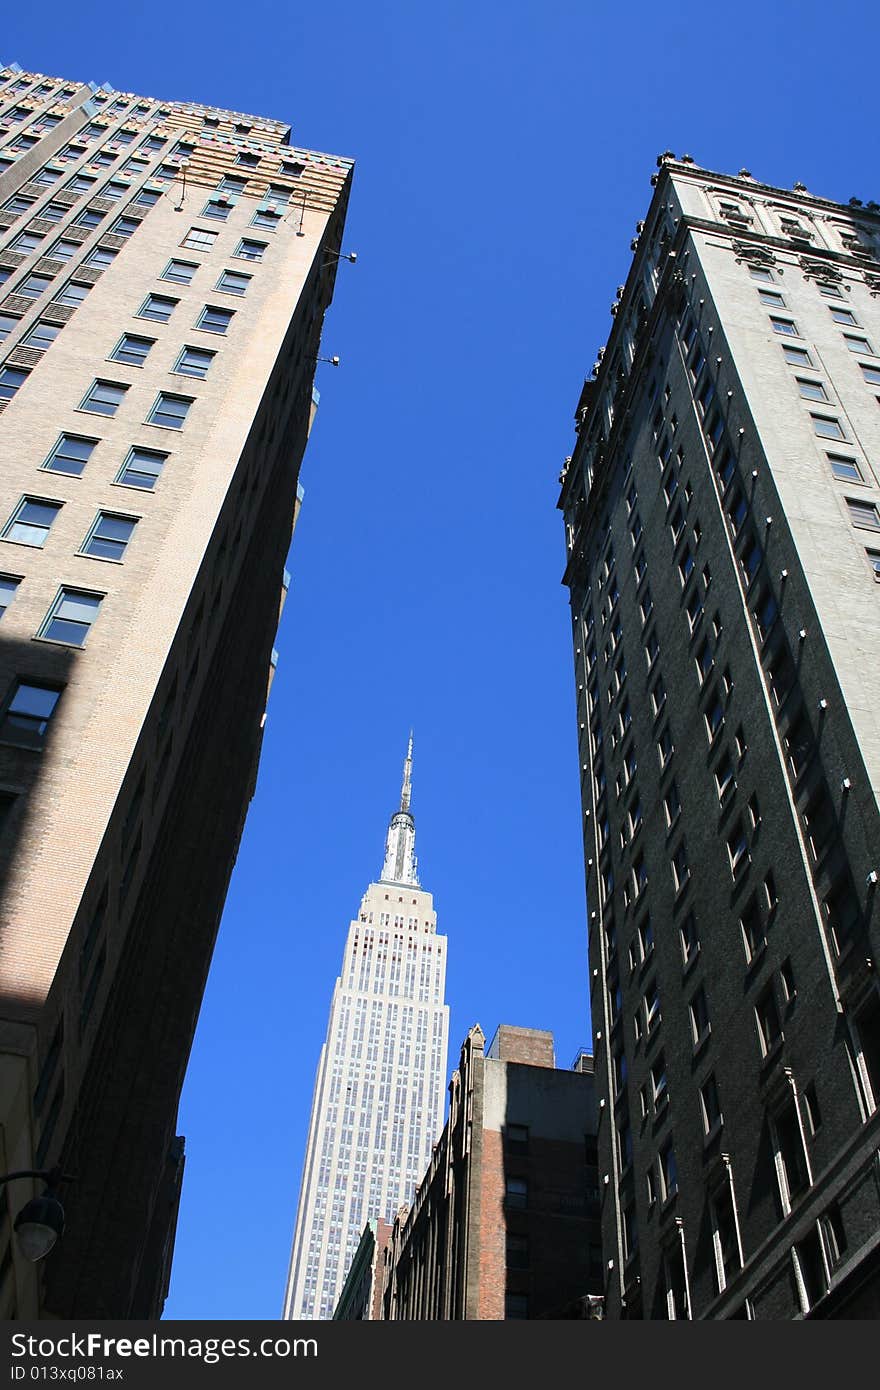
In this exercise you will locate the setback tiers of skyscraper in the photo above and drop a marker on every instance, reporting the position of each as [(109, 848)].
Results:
[(722, 508), (166, 268), (380, 1086)]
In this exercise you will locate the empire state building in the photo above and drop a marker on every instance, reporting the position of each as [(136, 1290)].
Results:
[(378, 1102)]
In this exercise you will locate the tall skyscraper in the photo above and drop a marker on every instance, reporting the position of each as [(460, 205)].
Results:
[(380, 1085), (722, 509), (167, 269)]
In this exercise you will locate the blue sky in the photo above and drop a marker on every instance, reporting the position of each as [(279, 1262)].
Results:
[(504, 155)]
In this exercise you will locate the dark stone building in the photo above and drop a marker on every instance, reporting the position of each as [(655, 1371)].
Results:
[(722, 509)]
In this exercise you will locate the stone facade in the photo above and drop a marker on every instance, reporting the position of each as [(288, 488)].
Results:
[(723, 532), (505, 1223), (165, 501)]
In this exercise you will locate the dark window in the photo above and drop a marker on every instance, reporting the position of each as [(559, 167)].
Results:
[(27, 714), (516, 1192)]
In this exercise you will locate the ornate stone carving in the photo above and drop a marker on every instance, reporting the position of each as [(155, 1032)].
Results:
[(818, 270), (757, 255)]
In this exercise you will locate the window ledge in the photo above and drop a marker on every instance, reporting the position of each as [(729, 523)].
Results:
[(28, 545), (132, 487), (102, 559), (56, 642), (170, 429)]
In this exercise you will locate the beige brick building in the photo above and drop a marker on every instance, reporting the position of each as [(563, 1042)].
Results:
[(166, 269)]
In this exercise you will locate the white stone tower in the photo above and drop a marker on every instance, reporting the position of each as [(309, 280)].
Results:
[(378, 1103)]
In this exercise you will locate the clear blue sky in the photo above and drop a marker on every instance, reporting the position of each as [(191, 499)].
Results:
[(504, 153)]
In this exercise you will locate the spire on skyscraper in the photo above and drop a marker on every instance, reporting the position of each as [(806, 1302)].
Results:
[(400, 842), (406, 789)]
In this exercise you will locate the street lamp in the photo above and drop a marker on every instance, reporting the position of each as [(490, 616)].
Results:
[(41, 1220)]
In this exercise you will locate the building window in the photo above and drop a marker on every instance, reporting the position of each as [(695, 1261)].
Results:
[(181, 272), (767, 1017), (752, 927), (659, 1088), (147, 197), (33, 286), (858, 344), (28, 711), (787, 326), (217, 211), (652, 1006), (169, 411), (516, 1138), (668, 1172), (874, 562), (194, 361), (233, 282), (158, 307), (64, 250), (866, 1037), (826, 427), (863, 514), (772, 298), (132, 350), (109, 536), (214, 320), (42, 336), (199, 239), (265, 218), (665, 747), (698, 1011), (725, 1236), (103, 397), (672, 805), (25, 243), (248, 250), (516, 1192), (517, 1251), (516, 1305), (710, 1105), (811, 390), (141, 468), (790, 1155), (70, 455), (690, 942), (737, 849), (8, 586), (70, 617), (843, 315), (31, 521), (115, 190), (871, 374)]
